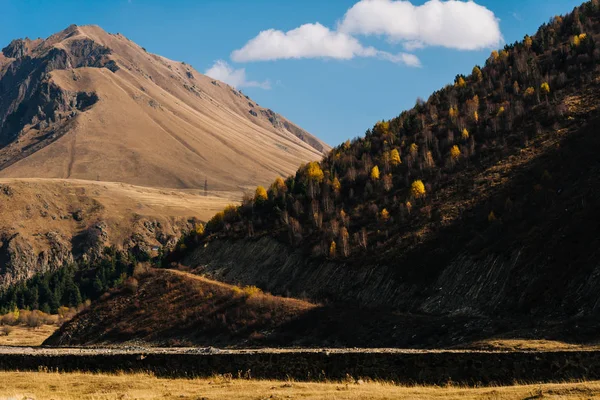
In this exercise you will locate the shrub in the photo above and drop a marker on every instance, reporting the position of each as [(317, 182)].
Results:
[(6, 330), (131, 285)]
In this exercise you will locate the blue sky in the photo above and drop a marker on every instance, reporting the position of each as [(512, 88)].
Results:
[(333, 98)]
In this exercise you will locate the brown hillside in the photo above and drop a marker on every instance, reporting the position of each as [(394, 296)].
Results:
[(86, 104), (46, 223), (192, 311)]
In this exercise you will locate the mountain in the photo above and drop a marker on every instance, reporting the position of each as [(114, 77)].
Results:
[(103, 144), (86, 104), (481, 201), (473, 215)]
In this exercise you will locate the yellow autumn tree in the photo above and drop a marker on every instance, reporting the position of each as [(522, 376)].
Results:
[(545, 88), (314, 172), (260, 194), (453, 112), (530, 91), (495, 55), (395, 157), (385, 215), (332, 249), (575, 41), (500, 111), (516, 88), (455, 152), (460, 82), (476, 116), (375, 173), (528, 42), (414, 149), (382, 128), (278, 187), (199, 229), (477, 74), (418, 189), (464, 134), (336, 185)]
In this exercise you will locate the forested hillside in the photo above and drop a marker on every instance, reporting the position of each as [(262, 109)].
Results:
[(491, 181), (402, 180)]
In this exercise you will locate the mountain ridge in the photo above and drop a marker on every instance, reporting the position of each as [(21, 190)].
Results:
[(144, 110)]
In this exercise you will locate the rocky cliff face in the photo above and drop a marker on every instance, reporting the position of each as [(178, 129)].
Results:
[(31, 104), (21, 258), (47, 225), (496, 285)]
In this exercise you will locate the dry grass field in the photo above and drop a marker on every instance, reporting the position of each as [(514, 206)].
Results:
[(19, 335), (41, 385)]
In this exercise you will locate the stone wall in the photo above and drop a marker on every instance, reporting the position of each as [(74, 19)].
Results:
[(403, 367)]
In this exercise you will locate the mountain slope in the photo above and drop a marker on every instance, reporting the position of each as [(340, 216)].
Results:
[(194, 311), (86, 104), (49, 223), (482, 200)]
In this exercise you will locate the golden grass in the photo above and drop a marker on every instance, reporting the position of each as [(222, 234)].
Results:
[(23, 336), (39, 385), (528, 345)]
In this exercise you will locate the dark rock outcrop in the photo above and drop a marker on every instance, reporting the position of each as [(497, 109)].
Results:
[(27, 93)]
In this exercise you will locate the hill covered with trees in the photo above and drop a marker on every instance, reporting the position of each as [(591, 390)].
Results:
[(488, 188)]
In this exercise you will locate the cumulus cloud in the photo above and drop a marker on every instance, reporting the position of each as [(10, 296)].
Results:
[(452, 24), (312, 41), (224, 72)]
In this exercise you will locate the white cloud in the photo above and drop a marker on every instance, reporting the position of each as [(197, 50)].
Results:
[(224, 72), (312, 41), (453, 24)]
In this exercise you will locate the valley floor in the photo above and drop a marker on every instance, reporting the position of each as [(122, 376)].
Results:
[(40, 385)]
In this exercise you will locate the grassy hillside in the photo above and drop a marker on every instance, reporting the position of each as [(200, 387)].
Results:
[(191, 311)]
